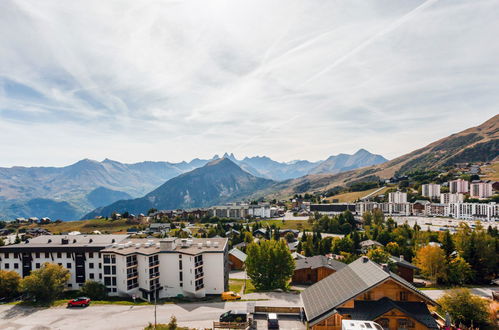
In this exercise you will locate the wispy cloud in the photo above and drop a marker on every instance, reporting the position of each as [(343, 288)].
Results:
[(173, 80)]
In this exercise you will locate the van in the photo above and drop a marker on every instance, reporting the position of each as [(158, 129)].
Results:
[(230, 295), (234, 316), (359, 325), (272, 321)]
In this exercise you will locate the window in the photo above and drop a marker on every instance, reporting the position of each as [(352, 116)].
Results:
[(107, 281), (70, 285), (91, 275), (16, 255), (7, 266), (68, 265), (47, 255), (37, 265), (132, 283), (107, 270), (198, 260), (405, 324), (6, 255), (91, 265), (367, 296), (37, 254), (16, 265), (90, 254), (180, 264), (404, 295), (68, 254), (60, 264), (199, 284), (181, 275), (59, 255)]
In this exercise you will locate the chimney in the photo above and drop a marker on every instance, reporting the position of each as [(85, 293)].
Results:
[(402, 257), (385, 267), (167, 244)]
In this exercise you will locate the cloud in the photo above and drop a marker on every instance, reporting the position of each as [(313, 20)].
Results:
[(174, 80)]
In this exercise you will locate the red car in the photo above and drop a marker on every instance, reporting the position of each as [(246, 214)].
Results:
[(81, 301)]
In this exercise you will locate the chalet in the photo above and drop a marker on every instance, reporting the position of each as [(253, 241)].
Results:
[(159, 228), (283, 232), (404, 268), (313, 269), (232, 233), (369, 244), (364, 290), (237, 259), (260, 233)]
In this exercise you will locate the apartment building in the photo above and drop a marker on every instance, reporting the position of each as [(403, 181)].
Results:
[(80, 254), (430, 190), (474, 211), (481, 189), (447, 198), (169, 267), (397, 197), (459, 186), (241, 211)]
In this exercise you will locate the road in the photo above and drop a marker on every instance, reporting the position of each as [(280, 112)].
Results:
[(438, 224), (119, 317), (482, 292)]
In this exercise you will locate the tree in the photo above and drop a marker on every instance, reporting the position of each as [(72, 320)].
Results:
[(248, 237), (46, 283), (432, 262), (2, 243), (17, 240), (263, 261), (94, 290), (379, 255), (290, 237), (465, 308), (448, 243), (9, 284), (459, 271), (151, 211), (172, 325)]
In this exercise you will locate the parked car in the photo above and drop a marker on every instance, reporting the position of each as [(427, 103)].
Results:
[(79, 302), (272, 321), (234, 316), (230, 295)]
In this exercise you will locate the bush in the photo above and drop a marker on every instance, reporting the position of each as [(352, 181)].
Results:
[(94, 290), (465, 308), (45, 284), (9, 284)]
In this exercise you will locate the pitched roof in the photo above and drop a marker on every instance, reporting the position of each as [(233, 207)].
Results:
[(370, 242), (359, 276), (370, 310), (238, 254), (317, 262), (402, 262)]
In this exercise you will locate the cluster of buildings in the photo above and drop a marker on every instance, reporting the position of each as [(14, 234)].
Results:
[(142, 268), (244, 210), (477, 189)]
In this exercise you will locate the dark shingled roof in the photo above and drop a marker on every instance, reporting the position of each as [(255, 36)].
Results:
[(370, 310), (361, 275), (319, 261), (403, 262)]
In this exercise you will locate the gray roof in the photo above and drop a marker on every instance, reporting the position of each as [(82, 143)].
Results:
[(238, 254), (370, 242), (361, 275), (72, 241), (402, 262), (370, 310), (317, 262)]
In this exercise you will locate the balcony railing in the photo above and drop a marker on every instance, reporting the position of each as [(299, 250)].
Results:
[(133, 274), (153, 275), (199, 275), (132, 264), (154, 263), (199, 263)]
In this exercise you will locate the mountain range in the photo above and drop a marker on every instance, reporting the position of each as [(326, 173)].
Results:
[(88, 184)]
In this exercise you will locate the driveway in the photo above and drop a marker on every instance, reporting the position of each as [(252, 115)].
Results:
[(119, 317), (482, 292)]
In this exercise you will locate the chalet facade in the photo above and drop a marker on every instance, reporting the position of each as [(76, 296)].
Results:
[(364, 290), (237, 258), (404, 268), (313, 269)]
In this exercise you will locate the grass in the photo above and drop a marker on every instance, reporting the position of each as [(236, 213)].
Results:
[(350, 197), (289, 224), (491, 172), (86, 226), (236, 285)]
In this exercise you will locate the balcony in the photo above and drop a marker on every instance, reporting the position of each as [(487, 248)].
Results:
[(154, 263), (199, 275), (153, 275), (199, 287), (132, 274), (198, 264), (132, 264)]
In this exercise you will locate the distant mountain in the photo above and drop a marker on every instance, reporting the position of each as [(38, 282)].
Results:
[(344, 162), (41, 207), (88, 184), (476, 144), (219, 181)]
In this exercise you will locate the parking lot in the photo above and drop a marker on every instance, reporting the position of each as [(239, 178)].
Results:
[(193, 315)]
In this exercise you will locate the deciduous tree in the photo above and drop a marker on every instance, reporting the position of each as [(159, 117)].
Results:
[(432, 262), (9, 284), (465, 308), (46, 283)]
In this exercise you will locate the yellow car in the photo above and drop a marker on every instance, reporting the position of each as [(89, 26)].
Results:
[(230, 295)]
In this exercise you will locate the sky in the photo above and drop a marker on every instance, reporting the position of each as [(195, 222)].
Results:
[(175, 80)]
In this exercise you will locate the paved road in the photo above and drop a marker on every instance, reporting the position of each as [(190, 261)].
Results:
[(439, 223), (118, 317), (482, 292)]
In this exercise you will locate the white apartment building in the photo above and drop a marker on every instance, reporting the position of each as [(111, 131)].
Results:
[(459, 186), (430, 190), (474, 211), (241, 211), (143, 268), (80, 254), (388, 208), (447, 198), (167, 267), (481, 189), (397, 197)]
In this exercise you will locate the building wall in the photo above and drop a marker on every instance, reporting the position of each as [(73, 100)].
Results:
[(235, 263), (308, 275), (406, 273)]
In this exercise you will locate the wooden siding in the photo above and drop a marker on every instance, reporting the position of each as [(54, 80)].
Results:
[(309, 276), (406, 273), (235, 264)]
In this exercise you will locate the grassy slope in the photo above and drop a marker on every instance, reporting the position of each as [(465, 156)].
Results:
[(491, 172), (86, 226), (350, 197)]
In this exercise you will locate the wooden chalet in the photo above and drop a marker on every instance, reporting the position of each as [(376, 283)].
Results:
[(313, 269), (365, 290)]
